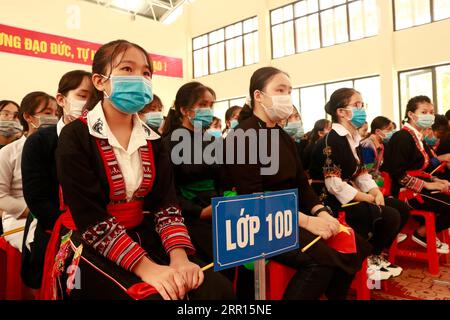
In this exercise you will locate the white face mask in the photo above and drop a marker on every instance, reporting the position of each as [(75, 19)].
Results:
[(76, 107), (281, 108)]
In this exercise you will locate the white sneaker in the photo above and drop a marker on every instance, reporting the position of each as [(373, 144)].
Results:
[(401, 237), (375, 270), (392, 268), (440, 246)]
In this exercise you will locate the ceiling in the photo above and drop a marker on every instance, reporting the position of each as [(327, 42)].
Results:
[(157, 10)]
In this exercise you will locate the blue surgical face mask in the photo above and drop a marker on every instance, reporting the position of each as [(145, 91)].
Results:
[(154, 119), (388, 136), (130, 94), (431, 141), (425, 121), (359, 117), (233, 123), (215, 133), (204, 116), (295, 129)]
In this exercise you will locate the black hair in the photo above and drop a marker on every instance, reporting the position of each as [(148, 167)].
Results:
[(379, 123), (320, 125), (4, 103), (187, 96), (339, 99), (258, 81), (413, 104), (30, 103), (104, 58)]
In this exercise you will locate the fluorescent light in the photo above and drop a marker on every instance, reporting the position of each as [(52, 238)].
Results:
[(174, 15), (128, 5)]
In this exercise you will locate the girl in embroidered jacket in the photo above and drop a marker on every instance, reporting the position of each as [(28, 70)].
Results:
[(409, 161), (339, 176), (112, 167)]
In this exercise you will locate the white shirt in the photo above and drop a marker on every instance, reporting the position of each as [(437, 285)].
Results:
[(129, 160), (11, 194), (343, 191), (12, 201), (60, 125)]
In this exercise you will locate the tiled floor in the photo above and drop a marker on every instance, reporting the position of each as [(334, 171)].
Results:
[(415, 283)]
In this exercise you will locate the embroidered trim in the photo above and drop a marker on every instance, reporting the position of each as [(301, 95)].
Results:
[(421, 149), (172, 230), (109, 238), (412, 183)]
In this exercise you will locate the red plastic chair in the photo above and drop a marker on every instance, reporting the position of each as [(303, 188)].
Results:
[(11, 287), (279, 276), (430, 254)]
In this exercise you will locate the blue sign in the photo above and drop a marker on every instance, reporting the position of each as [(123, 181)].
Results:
[(250, 227)]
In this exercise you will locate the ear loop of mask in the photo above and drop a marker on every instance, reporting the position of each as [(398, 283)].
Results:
[(32, 123), (104, 91)]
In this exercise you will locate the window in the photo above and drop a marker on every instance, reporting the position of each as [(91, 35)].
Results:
[(221, 106), (311, 24), (312, 99), (432, 82), (410, 13), (227, 48)]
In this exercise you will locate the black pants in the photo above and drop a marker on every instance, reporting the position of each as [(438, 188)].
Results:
[(310, 282), (401, 207), (438, 203), (378, 224), (100, 278)]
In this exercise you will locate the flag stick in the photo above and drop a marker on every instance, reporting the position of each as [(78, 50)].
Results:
[(350, 204), (13, 231), (311, 243), (437, 168), (209, 266)]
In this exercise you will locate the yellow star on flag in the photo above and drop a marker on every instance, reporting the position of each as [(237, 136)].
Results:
[(345, 229)]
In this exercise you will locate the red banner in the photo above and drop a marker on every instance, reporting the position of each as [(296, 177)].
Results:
[(48, 46)]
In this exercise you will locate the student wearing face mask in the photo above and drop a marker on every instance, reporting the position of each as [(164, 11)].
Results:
[(215, 129), (196, 183), (372, 149), (363, 130), (40, 183), (10, 127), (294, 126), (112, 168), (35, 109), (321, 129), (340, 177), (409, 160), (321, 269), (231, 119), (152, 114)]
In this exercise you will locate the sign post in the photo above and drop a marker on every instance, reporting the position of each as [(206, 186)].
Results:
[(252, 228)]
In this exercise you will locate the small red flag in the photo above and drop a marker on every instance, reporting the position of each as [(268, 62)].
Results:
[(344, 241)]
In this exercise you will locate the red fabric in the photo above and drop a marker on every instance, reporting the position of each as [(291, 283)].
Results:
[(408, 194), (128, 214), (141, 291), (418, 174), (47, 290), (344, 241)]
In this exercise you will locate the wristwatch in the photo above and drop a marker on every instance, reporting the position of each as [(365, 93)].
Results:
[(324, 208)]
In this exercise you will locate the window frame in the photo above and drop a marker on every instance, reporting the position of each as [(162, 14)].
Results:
[(434, 98), (224, 41), (432, 17), (318, 13)]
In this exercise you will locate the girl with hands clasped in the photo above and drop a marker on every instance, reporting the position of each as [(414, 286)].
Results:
[(340, 178), (121, 225)]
